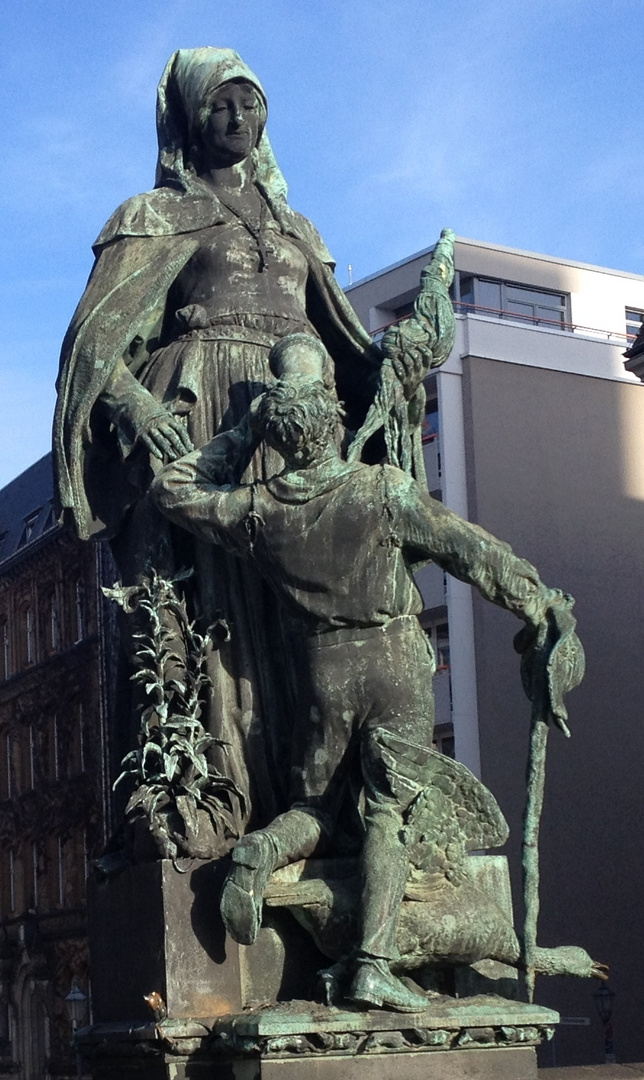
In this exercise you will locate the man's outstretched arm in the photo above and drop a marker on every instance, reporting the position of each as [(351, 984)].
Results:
[(553, 658), (430, 529)]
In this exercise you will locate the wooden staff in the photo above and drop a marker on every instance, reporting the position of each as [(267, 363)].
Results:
[(549, 670)]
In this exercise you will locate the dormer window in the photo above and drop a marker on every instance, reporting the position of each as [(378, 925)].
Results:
[(29, 526)]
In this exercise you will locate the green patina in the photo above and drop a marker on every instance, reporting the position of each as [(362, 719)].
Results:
[(199, 425)]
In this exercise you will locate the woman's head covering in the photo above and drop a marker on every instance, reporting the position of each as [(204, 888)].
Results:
[(190, 77)]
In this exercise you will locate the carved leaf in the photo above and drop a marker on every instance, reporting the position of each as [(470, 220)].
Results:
[(125, 597), (188, 810)]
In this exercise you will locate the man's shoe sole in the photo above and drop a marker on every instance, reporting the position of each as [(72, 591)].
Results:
[(242, 896)]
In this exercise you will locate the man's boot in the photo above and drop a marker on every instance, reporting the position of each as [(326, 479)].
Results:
[(375, 984), (254, 859)]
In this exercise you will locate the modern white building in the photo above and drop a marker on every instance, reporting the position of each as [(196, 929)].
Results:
[(535, 430)]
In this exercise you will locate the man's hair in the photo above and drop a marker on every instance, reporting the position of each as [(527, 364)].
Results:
[(297, 413), (307, 342)]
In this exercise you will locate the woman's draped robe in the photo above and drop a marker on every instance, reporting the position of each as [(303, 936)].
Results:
[(101, 478)]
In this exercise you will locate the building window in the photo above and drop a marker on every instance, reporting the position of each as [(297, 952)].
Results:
[(79, 603), (404, 311), (35, 874), (85, 854), (634, 320), (506, 300), (12, 880), (430, 420), (30, 636), (438, 634), (54, 625), (61, 871), (81, 739), (5, 653), (55, 747), (32, 756), (444, 739), (5, 1021), (9, 765)]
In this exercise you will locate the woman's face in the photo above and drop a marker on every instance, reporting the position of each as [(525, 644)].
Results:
[(232, 128)]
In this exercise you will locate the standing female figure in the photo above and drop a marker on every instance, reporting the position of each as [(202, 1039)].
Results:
[(193, 283)]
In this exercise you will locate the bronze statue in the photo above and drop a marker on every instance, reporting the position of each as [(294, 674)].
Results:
[(336, 541), (198, 401), (193, 283)]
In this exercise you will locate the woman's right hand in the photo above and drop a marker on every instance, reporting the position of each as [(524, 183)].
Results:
[(165, 436), (142, 420)]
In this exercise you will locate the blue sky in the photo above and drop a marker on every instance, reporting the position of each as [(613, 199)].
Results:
[(512, 122)]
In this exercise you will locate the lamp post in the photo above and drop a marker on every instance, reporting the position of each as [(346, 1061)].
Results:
[(76, 1004), (604, 1000)]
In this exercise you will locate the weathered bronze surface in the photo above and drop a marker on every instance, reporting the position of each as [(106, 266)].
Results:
[(255, 462), (193, 283), (337, 541)]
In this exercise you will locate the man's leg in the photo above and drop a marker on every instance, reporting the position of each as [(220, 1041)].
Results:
[(291, 836), (399, 682)]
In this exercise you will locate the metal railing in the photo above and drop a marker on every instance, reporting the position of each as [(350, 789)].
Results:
[(462, 308)]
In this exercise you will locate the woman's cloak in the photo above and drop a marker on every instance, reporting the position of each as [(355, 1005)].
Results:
[(139, 254)]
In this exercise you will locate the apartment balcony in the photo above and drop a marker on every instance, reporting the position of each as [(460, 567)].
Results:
[(540, 343)]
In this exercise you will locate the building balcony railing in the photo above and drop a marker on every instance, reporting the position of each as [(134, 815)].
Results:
[(542, 321)]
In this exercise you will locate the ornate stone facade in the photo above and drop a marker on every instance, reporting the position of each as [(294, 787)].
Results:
[(54, 787)]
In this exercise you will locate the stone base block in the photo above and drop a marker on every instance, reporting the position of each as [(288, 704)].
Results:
[(508, 1064), (154, 927), (450, 1040)]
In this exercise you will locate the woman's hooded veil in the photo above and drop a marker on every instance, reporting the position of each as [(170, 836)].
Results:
[(189, 77)]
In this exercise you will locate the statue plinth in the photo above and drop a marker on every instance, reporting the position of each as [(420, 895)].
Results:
[(156, 928), (476, 1039), (326, 714), (230, 1009)]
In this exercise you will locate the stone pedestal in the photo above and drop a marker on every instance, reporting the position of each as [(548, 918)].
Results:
[(157, 928), (482, 1037), (230, 1012)]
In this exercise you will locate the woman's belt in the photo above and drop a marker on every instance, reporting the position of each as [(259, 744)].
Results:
[(254, 328)]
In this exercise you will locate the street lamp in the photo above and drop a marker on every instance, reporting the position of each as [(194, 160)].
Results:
[(76, 1005), (604, 999)]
